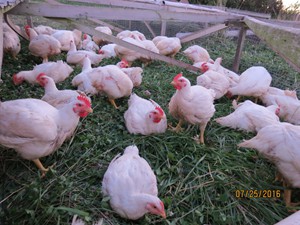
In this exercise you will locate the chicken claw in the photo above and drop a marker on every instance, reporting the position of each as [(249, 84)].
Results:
[(178, 128), (112, 101), (41, 167)]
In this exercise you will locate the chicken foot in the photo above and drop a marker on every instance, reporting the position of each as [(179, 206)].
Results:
[(112, 101), (287, 196), (200, 140), (178, 128), (41, 167)]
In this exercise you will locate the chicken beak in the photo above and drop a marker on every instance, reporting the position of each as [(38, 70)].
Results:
[(89, 110), (173, 83), (163, 214)]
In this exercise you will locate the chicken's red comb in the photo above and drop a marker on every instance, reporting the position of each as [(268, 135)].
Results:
[(26, 27), (177, 77), (204, 64), (161, 112), (85, 36), (83, 98), (124, 61), (40, 75)]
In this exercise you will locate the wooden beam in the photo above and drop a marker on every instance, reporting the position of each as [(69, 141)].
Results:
[(285, 41), (150, 29), (163, 28), (110, 38), (202, 33), (151, 5), (14, 27), (109, 13), (239, 49)]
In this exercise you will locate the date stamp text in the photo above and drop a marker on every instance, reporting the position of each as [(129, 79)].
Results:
[(257, 193)]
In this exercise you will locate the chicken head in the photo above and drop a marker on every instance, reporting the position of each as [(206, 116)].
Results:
[(83, 108), (157, 114), (204, 67), (42, 79), (123, 64), (26, 27), (179, 82), (17, 79), (156, 208)]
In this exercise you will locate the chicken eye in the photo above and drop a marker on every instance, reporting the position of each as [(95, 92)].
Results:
[(79, 104)]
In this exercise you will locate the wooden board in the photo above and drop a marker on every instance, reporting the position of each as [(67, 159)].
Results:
[(114, 13), (285, 41), (202, 33)]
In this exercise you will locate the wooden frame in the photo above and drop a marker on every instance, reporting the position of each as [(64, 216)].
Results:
[(147, 10)]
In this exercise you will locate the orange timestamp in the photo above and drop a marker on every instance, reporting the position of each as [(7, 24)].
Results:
[(257, 193)]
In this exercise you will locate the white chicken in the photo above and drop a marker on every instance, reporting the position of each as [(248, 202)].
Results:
[(99, 41), (82, 80), (134, 73), (255, 81), (168, 46), (65, 36), (144, 116), (75, 56), (278, 91), (131, 34), (58, 71), (11, 41), (129, 55), (250, 117), (42, 45), (280, 144), (108, 51), (132, 187), (215, 81), (288, 102), (216, 66), (35, 129), (196, 54), (42, 29), (193, 104), (149, 45), (88, 44), (112, 81), (55, 97)]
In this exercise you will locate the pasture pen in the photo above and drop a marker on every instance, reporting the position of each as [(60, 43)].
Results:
[(197, 183)]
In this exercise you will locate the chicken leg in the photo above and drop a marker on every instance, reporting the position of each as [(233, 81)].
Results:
[(41, 167), (112, 101), (178, 128), (287, 196), (200, 139), (278, 176)]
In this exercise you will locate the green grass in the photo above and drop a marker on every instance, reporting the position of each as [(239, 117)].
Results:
[(197, 183)]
